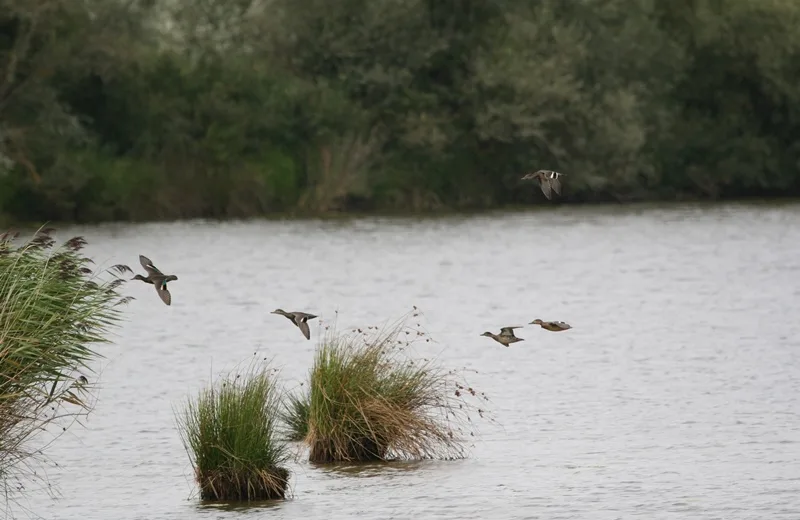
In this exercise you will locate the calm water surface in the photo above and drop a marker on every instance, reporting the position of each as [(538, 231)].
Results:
[(676, 395)]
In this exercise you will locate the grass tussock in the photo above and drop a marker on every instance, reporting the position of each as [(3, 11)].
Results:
[(368, 400), (229, 432), (295, 416), (53, 309)]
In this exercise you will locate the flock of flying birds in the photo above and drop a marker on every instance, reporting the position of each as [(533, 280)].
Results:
[(159, 280), (548, 181)]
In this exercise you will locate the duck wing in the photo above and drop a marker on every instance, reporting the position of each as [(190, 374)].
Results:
[(163, 293), (508, 331), (545, 183), (148, 266), (556, 184), (303, 326)]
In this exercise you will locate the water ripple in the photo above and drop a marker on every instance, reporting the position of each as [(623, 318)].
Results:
[(676, 395)]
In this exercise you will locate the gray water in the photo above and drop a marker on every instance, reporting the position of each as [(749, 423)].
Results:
[(675, 395)]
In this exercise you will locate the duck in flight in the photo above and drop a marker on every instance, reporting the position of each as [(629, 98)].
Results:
[(506, 336), (157, 278), (548, 180), (300, 319), (555, 326)]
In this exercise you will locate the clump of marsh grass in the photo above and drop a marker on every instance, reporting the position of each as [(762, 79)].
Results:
[(52, 310), (229, 432), (295, 416), (367, 400)]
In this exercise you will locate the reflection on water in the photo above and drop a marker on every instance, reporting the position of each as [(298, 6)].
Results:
[(675, 395), (258, 507), (372, 469)]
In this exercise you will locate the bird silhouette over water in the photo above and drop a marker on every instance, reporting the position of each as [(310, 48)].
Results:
[(298, 318), (548, 180), (157, 278), (506, 336)]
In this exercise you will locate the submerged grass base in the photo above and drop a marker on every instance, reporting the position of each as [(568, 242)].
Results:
[(362, 449), (243, 484)]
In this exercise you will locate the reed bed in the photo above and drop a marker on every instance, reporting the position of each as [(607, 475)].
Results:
[(53, 311), (368, 400), (229, 432)]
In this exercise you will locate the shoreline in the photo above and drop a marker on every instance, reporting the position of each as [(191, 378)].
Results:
[(7, 222)]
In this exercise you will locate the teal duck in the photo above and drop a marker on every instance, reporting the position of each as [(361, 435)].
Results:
[(298, 318), (555, 326), (506, 336), (548, 180), (157, 278)]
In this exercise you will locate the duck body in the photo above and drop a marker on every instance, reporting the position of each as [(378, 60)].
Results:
[(548, 181), (300, 319), (156, 278), (554, 326), (506, 336)]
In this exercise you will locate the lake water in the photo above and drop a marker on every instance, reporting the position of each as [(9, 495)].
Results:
[(675, 395)]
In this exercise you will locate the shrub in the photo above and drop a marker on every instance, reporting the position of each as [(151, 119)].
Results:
[(51, 311), (367, 401), (229, 435)]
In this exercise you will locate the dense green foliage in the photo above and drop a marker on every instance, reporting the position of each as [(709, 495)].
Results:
[(229, 432), (53, 312), (115, 109)]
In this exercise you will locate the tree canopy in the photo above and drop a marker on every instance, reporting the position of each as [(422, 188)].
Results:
[(134, 109)]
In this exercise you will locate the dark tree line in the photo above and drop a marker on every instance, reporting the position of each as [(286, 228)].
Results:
[(136, 109)]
